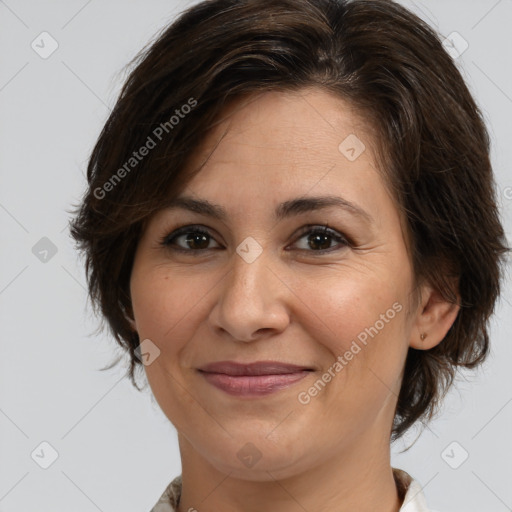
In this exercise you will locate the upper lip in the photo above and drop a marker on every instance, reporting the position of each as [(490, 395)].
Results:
[(256, 368)]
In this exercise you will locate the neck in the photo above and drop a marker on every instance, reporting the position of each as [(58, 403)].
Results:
[(358, 478)]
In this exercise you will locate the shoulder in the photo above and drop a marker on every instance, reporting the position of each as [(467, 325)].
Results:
[(411, 492), (170, 498)]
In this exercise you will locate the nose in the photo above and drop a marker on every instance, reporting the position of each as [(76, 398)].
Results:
[(251, 302)]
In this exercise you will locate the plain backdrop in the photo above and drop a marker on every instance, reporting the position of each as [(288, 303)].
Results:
[(107, 446)]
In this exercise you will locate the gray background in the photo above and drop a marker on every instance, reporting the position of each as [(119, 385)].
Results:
[(116, 450)]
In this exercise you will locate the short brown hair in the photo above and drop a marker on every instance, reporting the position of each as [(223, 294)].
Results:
[(383, 60)]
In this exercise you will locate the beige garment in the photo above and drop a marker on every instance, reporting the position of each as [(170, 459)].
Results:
[(414, 500)]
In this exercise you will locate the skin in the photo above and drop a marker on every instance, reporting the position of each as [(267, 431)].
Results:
[(290, 304)]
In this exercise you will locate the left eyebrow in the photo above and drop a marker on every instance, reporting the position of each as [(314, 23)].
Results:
[(308, 204), (284, 210)]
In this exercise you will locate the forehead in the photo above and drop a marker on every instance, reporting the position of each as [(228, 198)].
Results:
[(307, 119), (287, 139)]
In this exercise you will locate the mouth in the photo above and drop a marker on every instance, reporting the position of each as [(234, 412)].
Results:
[(253, 379)]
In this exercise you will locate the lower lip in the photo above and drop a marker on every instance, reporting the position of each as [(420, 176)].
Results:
[(253, 385)]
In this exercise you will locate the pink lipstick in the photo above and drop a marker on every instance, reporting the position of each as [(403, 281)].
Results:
[(253, 379)]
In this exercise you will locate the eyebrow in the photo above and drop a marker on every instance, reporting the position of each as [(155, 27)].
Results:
[(283, 210)]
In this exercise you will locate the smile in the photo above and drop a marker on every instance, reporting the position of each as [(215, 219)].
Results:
[(253, 379)]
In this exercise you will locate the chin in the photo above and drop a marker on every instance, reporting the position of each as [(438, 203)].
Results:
[(258, 460)]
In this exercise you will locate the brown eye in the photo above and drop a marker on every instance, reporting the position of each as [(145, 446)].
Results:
[(189, 239), (195, 239), (319, 240)]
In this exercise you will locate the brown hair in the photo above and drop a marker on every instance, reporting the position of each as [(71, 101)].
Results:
[(383, 60)]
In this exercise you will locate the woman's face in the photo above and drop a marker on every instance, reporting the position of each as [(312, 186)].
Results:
[(263, 281)]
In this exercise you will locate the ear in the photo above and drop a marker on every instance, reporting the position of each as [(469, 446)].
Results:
[(434, 317)]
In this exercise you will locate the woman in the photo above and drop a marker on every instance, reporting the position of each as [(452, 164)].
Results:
[(291, 227)]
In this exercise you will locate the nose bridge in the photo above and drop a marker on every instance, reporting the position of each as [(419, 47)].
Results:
[(250, 299)]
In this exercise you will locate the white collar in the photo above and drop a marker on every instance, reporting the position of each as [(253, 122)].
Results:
[(414, 500)]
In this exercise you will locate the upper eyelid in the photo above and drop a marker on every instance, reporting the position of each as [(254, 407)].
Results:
[(182, 230), (304, 230)]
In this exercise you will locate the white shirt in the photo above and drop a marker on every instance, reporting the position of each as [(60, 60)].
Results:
[(414, 500)]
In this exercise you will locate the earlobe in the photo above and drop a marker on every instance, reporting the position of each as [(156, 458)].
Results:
[(435, 316)]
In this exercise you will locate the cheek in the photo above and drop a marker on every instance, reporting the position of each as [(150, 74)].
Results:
[(360, 324), (346, 305), (164, 306), (162, 301), (170, 306)]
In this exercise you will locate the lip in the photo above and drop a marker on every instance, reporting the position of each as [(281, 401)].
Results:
[(253, 379)]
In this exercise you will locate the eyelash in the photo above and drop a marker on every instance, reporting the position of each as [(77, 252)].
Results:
[(168, 240)]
